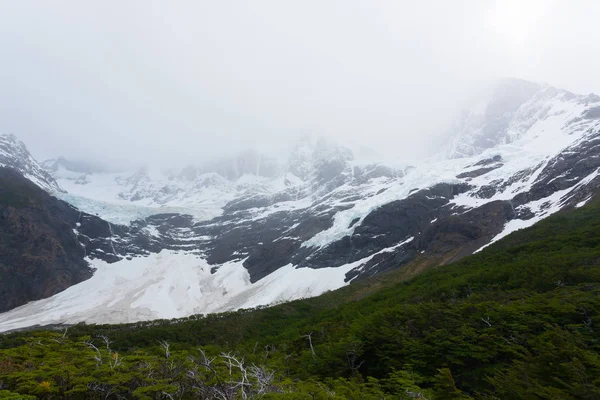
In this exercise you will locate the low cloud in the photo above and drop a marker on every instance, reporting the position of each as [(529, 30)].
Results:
[(183, 82)]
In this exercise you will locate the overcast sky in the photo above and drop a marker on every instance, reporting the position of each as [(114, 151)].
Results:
[(180, 81)]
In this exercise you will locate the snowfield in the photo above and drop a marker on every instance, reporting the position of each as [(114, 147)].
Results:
[(169, 285)]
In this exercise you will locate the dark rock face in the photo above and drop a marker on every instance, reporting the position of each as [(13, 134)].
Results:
[(592, 113), (488, 161), (399, 220), (39, 253), (452, 235), (478, 172), (43, 241), (566, 169), (466, 232)]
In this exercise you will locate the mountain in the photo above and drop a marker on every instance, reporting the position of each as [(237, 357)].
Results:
[(526, 306), (45, 243), (14, 154), (486, 124), (252, 230), (39, 253)]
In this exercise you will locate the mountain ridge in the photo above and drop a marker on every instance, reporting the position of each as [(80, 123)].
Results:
[(247, 240)]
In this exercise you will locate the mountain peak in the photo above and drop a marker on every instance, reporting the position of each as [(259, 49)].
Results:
[(485, 123), (504, 112), (14, 154)]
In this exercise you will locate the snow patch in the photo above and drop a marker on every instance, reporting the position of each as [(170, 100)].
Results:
[(169, 285)]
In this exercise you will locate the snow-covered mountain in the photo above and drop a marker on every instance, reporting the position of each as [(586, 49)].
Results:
[(486, 123), (14, 154), (253, 230), (314, 166)]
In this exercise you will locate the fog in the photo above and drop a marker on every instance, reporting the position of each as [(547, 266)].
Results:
[(182, 81)]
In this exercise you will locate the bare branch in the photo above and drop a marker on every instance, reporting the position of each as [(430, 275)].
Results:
[(97, 356), (165, 345), (312, 349), (415, 395)]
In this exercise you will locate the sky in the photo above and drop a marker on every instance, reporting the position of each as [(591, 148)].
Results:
[(180, 81)]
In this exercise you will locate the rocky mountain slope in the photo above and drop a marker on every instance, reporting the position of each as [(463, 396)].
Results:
[(14, 154), (254, 230), (39, 253)]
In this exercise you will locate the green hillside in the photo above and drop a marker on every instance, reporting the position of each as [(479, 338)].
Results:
[(517, 321)]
